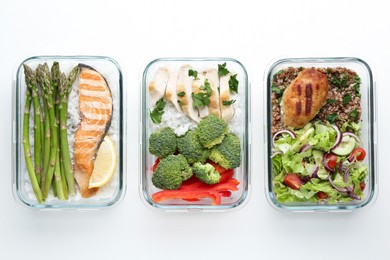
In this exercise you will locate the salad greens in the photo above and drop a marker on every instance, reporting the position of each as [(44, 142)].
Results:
[(318, 139)]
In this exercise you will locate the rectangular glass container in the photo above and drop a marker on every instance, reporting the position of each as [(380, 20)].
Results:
[(110, 193), (241, 127), (368, 131)]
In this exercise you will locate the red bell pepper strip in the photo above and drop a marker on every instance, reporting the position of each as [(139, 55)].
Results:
[(218, 167), (224, 187), (195, 183), (193, 199), (226, 193), (229, 185), (191, 180), (233, 181), (155, 164), (226, 175), (187, 194)]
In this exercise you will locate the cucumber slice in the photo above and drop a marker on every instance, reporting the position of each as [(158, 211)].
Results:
[(346, 146)]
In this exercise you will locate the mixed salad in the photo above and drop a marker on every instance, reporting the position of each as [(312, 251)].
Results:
[(319, 162), (322, 161)]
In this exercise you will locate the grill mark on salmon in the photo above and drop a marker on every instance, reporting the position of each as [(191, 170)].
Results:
[(95, 105), (309, 94)]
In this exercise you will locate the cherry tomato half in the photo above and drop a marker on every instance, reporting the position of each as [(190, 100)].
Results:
[(358, 153), (322, 195), (331, 160), (293, 181)]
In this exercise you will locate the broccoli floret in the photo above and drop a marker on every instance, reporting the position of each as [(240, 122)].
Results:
[(228, 153), (171, 172), (163, 142), (206, 173), (189, 146), (211, 130)]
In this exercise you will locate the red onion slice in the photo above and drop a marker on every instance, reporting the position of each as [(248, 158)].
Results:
[(305, 148), (339, 137), (354, 196), (325, 163), (314, 174), (334, 185), (282, 132), (341, 166), (275, 153), (346, 176), (354, 136)]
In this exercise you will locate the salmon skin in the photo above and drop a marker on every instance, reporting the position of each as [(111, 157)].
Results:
[(95, 106)]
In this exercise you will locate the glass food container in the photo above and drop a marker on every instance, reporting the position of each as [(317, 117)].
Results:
[(113, 189), (180, 123), (322, 202)]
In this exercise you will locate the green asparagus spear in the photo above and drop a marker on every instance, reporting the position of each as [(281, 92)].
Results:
[(44, 77), (64, 91), (46, 130), (32, 85), (26, 141), (63, 177), (57, 79), (57, 177)]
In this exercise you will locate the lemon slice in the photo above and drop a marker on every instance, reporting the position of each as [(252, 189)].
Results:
[(105, 164)]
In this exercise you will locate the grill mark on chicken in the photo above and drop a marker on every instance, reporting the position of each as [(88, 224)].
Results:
[(298, 106), (309, 95), (299, 90)]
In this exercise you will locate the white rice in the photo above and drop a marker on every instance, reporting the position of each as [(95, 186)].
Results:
[(108, 191)]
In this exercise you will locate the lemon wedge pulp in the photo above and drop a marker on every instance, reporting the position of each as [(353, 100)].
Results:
[(105, 164)]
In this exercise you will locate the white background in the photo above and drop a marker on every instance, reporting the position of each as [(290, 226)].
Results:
[(254, 33)]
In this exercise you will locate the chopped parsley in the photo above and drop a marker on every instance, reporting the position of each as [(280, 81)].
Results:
[(222, 70), (354, 114), (357, 81), (332, 117), (277, 90), (228, 102), (202, 99), (181, 94), (340, 81), (206, 86), (330, 101), (158, 111), (233, 83), (193, 73), (347, 98)]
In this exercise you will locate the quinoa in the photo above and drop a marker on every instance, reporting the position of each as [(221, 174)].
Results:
[(342, 102)]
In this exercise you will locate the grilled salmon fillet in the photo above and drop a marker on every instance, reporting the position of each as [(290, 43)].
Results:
[(95, 105), (304, 97)]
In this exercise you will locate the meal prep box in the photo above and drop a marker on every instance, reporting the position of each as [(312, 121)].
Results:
[(239, 125), (368, 132), (107, 195)]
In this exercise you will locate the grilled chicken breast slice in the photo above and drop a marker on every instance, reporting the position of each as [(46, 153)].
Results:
[(158, 85), (212, 77), (170, 93), (184, 85), (196, 84), (227, 111)]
